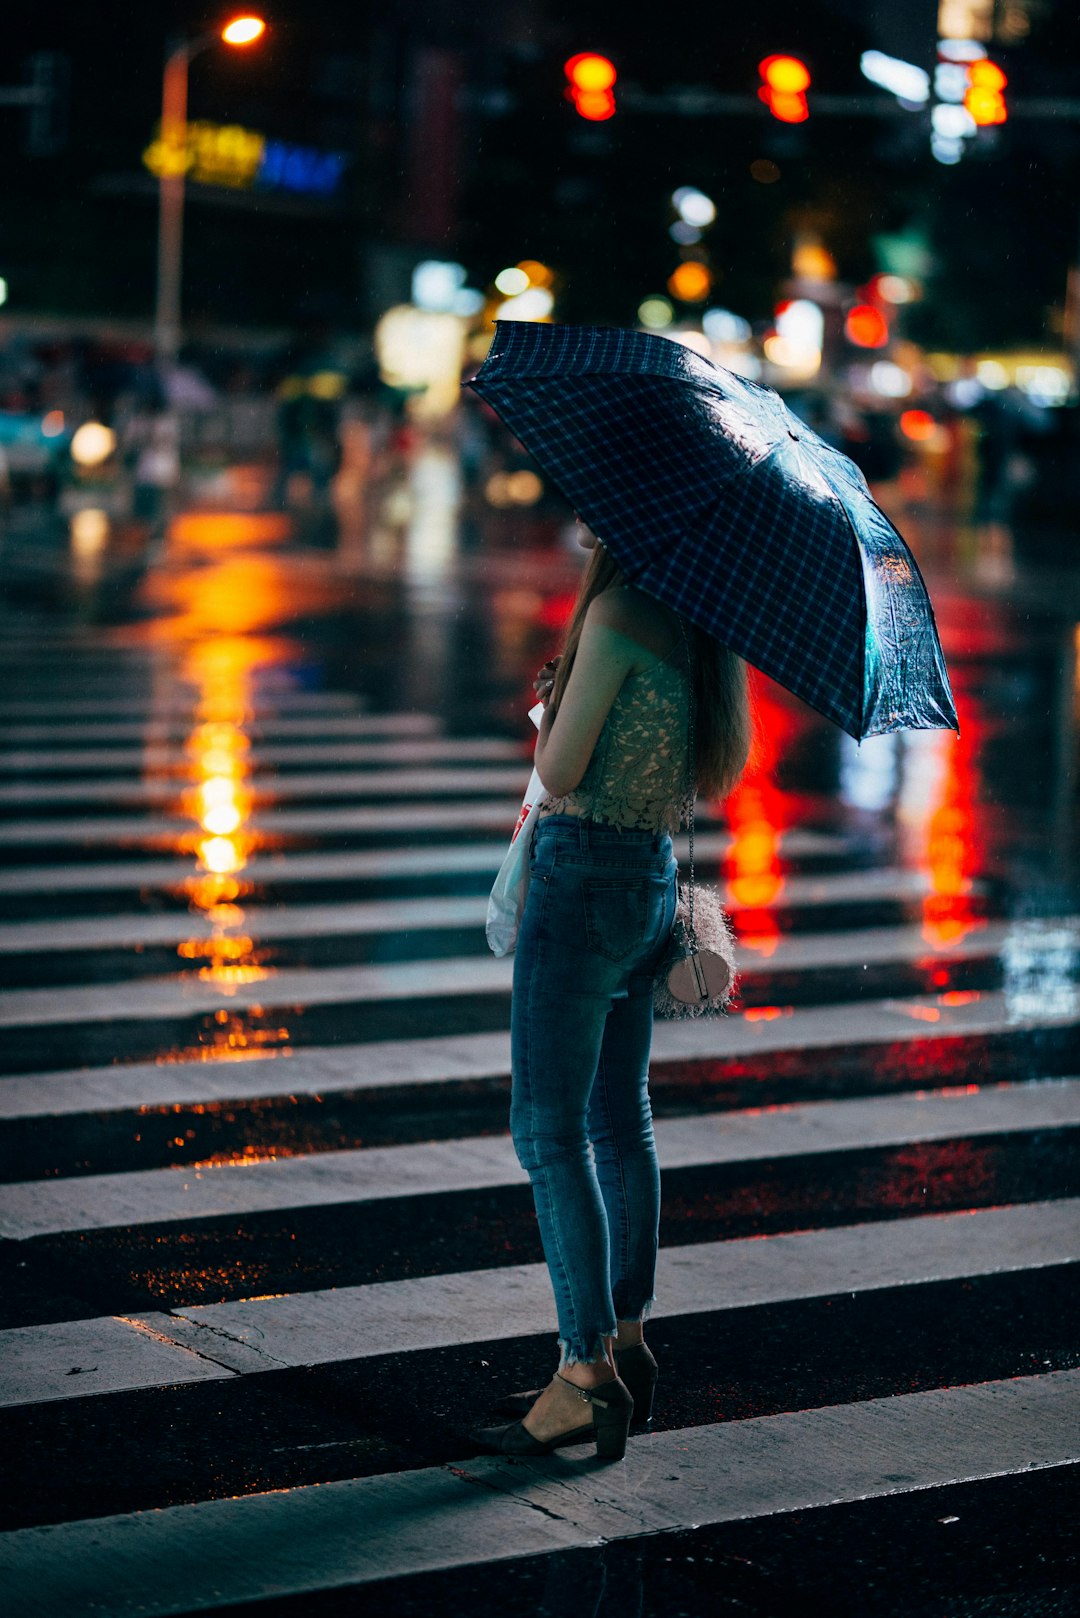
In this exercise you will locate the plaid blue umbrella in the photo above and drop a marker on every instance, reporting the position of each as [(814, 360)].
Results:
[(714, 498)]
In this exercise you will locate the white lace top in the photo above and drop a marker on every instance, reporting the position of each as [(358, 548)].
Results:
[(638, 775)]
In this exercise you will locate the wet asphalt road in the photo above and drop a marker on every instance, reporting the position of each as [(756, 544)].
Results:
[(234, 814)]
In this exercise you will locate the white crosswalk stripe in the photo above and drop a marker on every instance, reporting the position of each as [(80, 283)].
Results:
[(395, 1317), (383, 863), (153, 756), (400, 1063), (344, 1533), (357, 784), (178, 725), (473, 974), (91, 1202)]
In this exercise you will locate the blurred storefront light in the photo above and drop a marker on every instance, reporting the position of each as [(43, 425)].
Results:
[(947, 149), (866, 326), (656, 313), (811, 261), (693, 206), (686, 235), (909, 83), (521, 488), (723, 326), (3, 290), (960, 50), (92, 444), (534, 303), (952, 122), (896, 288), (436, 283), (245, 159), (890, 380), (691, 282), (1044, 384), (950, 81), (918, 425), (964, 392), (796, 344), (421, 351), (967, 20), (511, 281), (540, 275), (992, 374), (52, 424)]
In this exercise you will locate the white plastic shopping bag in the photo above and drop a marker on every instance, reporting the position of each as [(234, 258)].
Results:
[(507, 900)]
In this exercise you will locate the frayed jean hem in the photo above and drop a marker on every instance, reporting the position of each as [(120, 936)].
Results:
[(641, 1317), (569, 1355)]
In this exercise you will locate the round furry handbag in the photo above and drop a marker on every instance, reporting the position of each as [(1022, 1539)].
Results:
[(698, 972), (697, 975)]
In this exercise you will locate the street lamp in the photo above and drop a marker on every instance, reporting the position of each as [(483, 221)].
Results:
[(239, 31)]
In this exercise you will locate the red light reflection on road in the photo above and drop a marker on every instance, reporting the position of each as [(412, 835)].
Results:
[(952, 843), (757, 818)]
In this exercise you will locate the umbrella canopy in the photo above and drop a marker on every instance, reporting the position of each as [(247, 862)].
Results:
[(714, 498)]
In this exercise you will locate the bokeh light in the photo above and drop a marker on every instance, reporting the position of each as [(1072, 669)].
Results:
[(92, 443), (918, 425), (656, 313), (511, 281), (694, 206), (690, 282), (866, 326)]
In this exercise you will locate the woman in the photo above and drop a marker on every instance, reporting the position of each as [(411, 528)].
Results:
[(613, 756)]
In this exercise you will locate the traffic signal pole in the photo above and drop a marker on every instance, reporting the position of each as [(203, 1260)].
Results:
[(694, 102), (174, 90)]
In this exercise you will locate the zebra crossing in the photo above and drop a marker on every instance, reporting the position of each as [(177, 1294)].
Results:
[(266, 1250)]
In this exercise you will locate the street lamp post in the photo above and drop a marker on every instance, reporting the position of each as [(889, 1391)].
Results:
[(174, 161)]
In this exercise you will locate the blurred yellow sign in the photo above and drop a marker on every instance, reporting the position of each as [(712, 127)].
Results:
[(241, 159), (211, 154)]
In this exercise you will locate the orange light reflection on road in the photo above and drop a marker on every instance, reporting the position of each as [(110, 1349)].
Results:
[(218, 750)]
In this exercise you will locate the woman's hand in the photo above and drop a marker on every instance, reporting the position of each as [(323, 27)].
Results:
[(545, 680)]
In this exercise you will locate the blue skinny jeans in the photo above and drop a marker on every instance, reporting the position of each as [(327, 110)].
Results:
[(599, 911)]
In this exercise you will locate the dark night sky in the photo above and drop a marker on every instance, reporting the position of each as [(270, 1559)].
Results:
[(538, 182)]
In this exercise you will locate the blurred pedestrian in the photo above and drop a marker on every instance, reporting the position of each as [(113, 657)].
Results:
[(150, 443), (310, 396), (1005, 470), (614, 755)]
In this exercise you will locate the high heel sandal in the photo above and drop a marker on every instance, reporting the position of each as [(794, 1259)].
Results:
[(636, 1368), (612, 1410)]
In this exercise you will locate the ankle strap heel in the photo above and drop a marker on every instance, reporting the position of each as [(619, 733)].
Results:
[(637, 1368), (612, 1411)]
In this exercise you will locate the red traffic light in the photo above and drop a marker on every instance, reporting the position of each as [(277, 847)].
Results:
[(983, 97), (785, 81), (591, 85)]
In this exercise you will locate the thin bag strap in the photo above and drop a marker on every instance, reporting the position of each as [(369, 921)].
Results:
[(692, 765)]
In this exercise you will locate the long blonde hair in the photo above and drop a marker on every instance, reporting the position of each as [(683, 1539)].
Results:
[(722, 703)]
